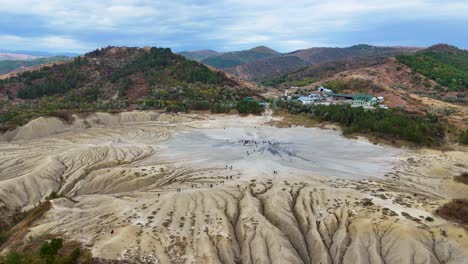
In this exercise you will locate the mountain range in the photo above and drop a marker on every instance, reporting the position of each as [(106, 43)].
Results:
[(7, 66), (37, 54), (261, 63)]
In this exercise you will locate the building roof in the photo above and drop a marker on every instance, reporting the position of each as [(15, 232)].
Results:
[(364, 97), (342, 95), (306, 98)]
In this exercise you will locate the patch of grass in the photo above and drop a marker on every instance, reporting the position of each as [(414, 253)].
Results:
[(455, 210), (15, 235), (463, 138), (51, 251), (462, 178)]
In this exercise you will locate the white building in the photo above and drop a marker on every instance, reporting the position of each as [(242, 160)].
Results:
[(310, 99), (324, 90)]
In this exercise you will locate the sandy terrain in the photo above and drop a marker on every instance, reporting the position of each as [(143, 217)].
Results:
[(164, 184)]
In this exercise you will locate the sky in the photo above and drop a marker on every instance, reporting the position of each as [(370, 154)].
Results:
[(225, 25)]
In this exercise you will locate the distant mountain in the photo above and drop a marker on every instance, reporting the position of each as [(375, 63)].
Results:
[(128, 72), (320, 55), (40, 53), (270, 68), (8, 66), (443, 48), (267, 68), (198, 55), (445, 64), (232, 59), (16, 56)]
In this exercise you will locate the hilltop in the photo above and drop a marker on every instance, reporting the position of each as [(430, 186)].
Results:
[(232, 59), (198, 55)]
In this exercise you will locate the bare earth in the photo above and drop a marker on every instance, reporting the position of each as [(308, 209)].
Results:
[(164, 184)]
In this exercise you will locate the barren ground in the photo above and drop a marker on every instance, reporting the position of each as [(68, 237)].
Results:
[(164, 184)]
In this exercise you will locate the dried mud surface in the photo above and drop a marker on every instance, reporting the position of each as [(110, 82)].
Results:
[(164, 185)]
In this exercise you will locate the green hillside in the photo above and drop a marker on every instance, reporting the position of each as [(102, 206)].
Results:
[(113, 70), (117, 79), (445, 64)]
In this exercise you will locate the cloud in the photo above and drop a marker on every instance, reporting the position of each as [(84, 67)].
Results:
[(228, 24)]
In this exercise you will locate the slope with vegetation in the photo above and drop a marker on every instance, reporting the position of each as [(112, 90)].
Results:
[(312, 73), (386, 124), (342, 58), (445, 64), (232, 59), (118, 78)]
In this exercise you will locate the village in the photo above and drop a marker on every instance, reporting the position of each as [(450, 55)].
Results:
[(324, 96)]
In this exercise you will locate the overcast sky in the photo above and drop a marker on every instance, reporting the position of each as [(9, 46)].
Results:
[(83, 25)]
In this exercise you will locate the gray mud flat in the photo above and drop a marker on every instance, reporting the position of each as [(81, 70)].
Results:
[(286, 150)]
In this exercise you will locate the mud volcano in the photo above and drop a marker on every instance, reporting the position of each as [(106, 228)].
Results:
[(262, 151)]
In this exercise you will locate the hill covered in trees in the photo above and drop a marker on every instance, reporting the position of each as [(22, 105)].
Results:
[(110, 71), (445, 64), (116, 78)]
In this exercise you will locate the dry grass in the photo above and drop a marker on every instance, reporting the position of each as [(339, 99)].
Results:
[(462, 178), (456, 210)]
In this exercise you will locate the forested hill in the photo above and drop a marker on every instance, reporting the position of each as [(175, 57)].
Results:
[(114, 71), (445, 64)]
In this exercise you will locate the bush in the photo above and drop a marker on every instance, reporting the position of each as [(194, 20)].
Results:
[(220, 108), (13, 257), (201, 105), (456, 210), (47, 254), (462, 178), (51, 248), (463, 139), (245, 107)]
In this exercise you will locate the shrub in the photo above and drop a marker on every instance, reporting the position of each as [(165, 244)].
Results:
[(462, 178), (13, 257), (47, 254), (244, 107), (51, 248), (456, 210), (463, 139)]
